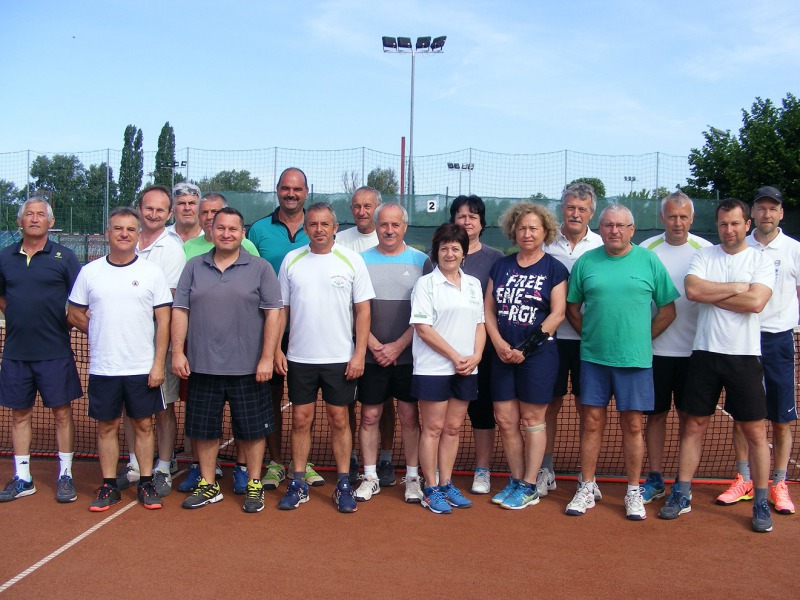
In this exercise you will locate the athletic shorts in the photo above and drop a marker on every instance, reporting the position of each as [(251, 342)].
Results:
[(278, 379), (249, 401), (632, 387), (108, 394), (777, 351), (741, 376), (172, 383), (57, 381), (531, 381), (379, 384), (305, 380), (440, 388), (569, 363), (481, 412), (669, 380)]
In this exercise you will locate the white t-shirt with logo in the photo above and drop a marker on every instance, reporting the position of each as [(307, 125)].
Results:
[(356, 241)]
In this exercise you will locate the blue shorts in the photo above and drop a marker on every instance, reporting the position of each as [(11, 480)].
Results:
[(57, 381), (632, 387), (440, 388), (108, 394), (532, 381), (777, 351)]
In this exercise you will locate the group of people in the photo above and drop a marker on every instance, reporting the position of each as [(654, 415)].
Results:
[(204, 311)]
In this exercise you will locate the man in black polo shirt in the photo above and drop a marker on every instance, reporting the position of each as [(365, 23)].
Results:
[(36, 276)]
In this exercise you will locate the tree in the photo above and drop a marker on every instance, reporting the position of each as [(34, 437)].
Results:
[(645, 194), (597, 184), (63, 178), (9, 204), (165, 158), (351, 182), (230, 181), (131, 169), (766, 151), (538, 196), (96, 188), (383, 180)]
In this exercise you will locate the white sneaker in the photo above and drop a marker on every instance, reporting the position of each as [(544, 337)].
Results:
[(482, 481), (595, 489), (218, 471), (413, 493), (581, 502), (545, 482), (634, 506), (369, 486)]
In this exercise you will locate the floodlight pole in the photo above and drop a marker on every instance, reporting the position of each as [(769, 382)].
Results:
[(411, 133)]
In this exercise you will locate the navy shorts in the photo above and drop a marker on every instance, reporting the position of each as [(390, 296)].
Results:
[(379, 384), (777, 350), (531, 381), (249, 401), (57, 381), (440, 388), (108, 394), (481, 412), (669, 380), (741, 376), (569, 367), (632, 387), (306, 380)]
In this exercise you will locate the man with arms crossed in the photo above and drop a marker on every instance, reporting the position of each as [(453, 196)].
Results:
[(578, 205), (617, 284), (671, 350), (393, 269), (326, 292), (123, 297), (229, 301), (777, 348), (733, 283), (36, 276), (276, 235), (362, 237)]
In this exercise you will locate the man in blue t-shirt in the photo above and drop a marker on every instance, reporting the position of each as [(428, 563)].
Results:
[(36, 276)]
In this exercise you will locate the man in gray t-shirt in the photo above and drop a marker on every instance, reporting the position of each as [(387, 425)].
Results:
[(228, 302)]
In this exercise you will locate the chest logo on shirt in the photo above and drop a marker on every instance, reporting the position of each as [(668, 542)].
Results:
[(520, 298), (338, 281), (135, 283), (57, 255)]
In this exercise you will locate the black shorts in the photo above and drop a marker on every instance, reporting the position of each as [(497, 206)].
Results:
[(481, 412), (569, 363), (379, 384), (56, 380), (277, 379), (741, 376), (669, 380), (306, 380), (108, 394), (249, 400)]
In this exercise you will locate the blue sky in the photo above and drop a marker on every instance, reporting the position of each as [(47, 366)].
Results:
[(622, 77)]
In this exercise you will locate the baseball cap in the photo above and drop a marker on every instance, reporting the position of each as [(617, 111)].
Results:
[(186, 189), (769, 192)]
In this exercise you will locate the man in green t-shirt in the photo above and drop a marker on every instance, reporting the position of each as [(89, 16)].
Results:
[(616, 285), (210, 204)]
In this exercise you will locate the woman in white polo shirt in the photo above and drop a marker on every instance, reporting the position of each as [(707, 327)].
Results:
[(447, 315)]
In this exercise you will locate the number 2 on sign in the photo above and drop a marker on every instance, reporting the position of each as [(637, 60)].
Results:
[(432, 206)]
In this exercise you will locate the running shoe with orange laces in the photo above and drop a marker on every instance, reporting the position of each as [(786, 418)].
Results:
[(739, 490), (779, 496)]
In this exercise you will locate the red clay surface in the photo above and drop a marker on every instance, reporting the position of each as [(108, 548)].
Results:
[(388, 549)]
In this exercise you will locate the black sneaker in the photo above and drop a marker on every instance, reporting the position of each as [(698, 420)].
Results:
[(386, 476), (148, 496), (66, 490), (205, 493), (105, 497), (254, 500)]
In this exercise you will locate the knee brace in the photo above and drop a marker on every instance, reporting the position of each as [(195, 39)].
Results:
[(535, 428)]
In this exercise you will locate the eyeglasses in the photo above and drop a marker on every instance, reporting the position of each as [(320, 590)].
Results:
[(612, 226)]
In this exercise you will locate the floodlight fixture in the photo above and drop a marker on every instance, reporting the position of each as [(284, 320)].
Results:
[(423, 43), (389, 44), (438, 43), (404, 43)]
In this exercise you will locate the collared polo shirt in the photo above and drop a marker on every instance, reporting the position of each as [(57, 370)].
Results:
[(781, 312), (273, 239)]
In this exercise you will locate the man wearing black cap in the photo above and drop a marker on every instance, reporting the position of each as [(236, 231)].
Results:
[(778, 319)]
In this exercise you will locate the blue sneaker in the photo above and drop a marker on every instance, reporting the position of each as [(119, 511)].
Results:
[(240, 480), (433, 499), (454, 496), (652, 488), (762, 522), (677, 504), (296, 494), (192, 480), (343, 497), (521, 496), (500, 496), (17, 488)]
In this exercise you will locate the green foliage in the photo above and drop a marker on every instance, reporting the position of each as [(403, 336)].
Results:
[(538, 196), (9, 204), (131, 168), (766, 151), (645, 194), (229, 181), (597, 184), (165, 158), (96, 186), (383, 180)]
